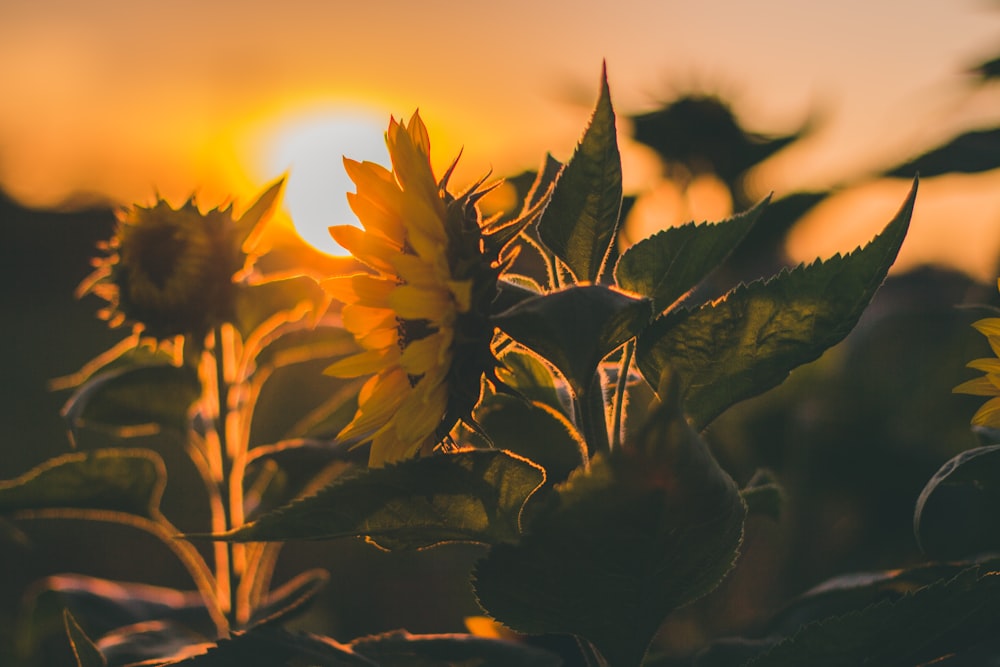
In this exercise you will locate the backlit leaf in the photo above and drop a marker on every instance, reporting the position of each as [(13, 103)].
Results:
[(469, 496), (289, 298), (749, 341), (667, 265), (401, 649), (269, 645), (579, 223), (574, 329), (122, 480)]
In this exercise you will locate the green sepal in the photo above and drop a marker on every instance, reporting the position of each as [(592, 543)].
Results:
[(135, 399), (468, 496), (574, 329), (581, 219), (956, 513), (402, 649), (119, 480), (84, 650), (748, 342), (667, 265), (648, 529)]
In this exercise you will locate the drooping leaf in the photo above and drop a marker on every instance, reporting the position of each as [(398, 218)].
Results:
[(637, 535), (913, 629), (469, 496), (289, 299), (127, 399), (579, 224), (749, 341), (121, 480), (291, 597), (575, 328), (84, 650), (957, 512), (535, 431), (270, 645), (667, 265), (401, 649)]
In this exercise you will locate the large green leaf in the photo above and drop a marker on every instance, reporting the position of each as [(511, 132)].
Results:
[(916, 628), (958, 513), (120, 480), (579, 223), (401, 649), (127, 399), (469, 496), (667, 265), (84, 650), (748, 342), (639, 534), (575, 328)]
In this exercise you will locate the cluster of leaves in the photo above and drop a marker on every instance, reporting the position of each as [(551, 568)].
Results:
[(597, 516)]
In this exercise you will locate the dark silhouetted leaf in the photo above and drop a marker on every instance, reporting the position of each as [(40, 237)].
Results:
[(969, 153), (580, 221), (155, 642), (575, 328), (763, 495), (401, 649), (277, 474), (913, 629), (84, 650), (122, 480), (667, 265), (469, 496), (957, 512), (637, 535), (291, 597), (748, 342), (269, 645), (524, 372), (126, 398)]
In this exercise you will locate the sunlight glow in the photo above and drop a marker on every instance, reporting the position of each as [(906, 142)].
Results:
[(311, 148)]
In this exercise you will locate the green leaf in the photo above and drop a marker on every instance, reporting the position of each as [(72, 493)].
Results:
[(748, 342), (913, 629), (524, 372), (763, 495), (131, 400), (121, 480), (85, 651), (260, 210), (401, 649), (640, 533), (956, 513), (300, 345), (279, 473), (574, 329), (580, 222), (535, 431), (667, 265), (277, 302), (469, 496)]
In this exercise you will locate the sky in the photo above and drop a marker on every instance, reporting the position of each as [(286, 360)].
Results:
[(114, 101)]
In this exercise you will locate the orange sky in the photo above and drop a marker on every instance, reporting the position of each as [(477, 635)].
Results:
[(116, 100)]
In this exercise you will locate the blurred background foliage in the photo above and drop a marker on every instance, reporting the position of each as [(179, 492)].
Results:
[(852, 438)]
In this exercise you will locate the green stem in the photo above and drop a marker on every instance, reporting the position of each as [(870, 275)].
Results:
[(590, 417), (618, 403), (222, 396)]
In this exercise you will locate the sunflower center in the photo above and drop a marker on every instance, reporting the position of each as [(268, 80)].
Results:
[(158, 252)]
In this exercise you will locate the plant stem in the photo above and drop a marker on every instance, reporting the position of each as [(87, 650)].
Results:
[(225, 489), (618, 403), (591, 417)]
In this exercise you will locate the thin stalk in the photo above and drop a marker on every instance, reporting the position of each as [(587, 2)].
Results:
[(591, 417), (618, 402), (221, 427)]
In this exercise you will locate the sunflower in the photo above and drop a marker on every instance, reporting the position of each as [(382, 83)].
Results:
[(172, 271), (421, 316), (988, 385)]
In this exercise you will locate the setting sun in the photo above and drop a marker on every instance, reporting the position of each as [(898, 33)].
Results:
[(311, 148)]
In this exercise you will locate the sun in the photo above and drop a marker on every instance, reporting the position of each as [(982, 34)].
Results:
[(310, 147)]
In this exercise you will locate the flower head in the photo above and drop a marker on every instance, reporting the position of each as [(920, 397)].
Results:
[(172, 271), (988, 385), (421, 315)]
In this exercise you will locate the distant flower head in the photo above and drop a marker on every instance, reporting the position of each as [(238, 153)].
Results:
[(171, 271), (422, 314), (988, 385)]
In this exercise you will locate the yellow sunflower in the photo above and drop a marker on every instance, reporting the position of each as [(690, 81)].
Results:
[(422, 314), (988, 385), (171, 271)]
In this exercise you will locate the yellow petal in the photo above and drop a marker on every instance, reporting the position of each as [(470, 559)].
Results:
[(380, 338), (422, 303), (461, 290), (991, 365), (988, 415), (362, 288), (421, 411), (415, 271), (363, 363), (422, 355), (988, 327), (980, 386), (371, 249), (361, 320), (377, 218), (377, 406)]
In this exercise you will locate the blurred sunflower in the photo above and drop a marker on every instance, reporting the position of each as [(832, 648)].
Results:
[(422, 314), (988, 385), (172, 272)]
